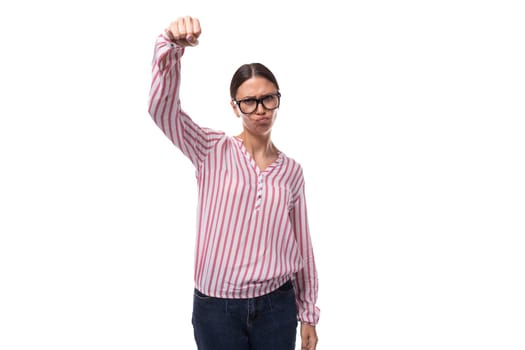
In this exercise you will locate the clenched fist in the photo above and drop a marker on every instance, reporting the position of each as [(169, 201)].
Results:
[(184, 31)]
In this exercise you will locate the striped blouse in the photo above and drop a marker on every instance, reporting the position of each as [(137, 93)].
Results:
[(252, 226)]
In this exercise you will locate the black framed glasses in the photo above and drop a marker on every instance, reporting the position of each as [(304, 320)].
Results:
[(250, 104)]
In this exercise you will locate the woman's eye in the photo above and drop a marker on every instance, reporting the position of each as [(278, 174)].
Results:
[(268, 98), (249, 101)]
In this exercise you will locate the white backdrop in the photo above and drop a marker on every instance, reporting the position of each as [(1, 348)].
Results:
[(407, 117)]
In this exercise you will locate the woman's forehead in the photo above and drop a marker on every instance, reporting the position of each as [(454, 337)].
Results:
[(256, 86)]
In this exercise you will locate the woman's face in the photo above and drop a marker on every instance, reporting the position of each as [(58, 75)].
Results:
[(261, 120)]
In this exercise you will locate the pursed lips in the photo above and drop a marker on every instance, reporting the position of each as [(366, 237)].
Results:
[(263, 120)]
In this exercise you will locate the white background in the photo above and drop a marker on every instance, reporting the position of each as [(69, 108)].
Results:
[(407, 117)]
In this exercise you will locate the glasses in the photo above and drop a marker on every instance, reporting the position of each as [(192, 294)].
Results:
[(250, 105)]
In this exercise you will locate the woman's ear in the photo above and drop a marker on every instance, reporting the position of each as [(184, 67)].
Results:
[(235, 109)]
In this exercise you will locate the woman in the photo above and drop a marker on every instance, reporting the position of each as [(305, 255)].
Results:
[(255, 274)]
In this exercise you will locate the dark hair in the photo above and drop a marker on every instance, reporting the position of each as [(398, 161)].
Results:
[(247, 71)]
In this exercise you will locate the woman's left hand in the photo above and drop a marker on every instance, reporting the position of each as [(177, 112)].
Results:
[(308, 337)]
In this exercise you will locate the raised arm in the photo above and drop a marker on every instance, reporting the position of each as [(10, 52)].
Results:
[(164, 102)]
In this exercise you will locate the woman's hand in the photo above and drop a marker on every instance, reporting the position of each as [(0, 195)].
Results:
[(308, 337), (184, 31)]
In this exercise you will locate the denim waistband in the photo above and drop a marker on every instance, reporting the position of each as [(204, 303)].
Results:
[(284, 287)]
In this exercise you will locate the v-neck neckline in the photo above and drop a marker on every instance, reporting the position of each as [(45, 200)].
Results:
[(252, 162)]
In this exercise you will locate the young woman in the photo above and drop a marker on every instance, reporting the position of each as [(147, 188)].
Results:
[(255, 274)]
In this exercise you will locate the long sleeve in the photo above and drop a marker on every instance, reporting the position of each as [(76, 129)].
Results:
[(165, 108), (305, 281)]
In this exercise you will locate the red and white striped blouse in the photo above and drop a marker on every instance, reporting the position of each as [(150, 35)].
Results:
[(252, 227)]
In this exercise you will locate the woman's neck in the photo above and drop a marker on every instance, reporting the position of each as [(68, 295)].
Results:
[(258, 146)]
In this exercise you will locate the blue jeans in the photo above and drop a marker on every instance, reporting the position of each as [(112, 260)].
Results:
[(261, 323)]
